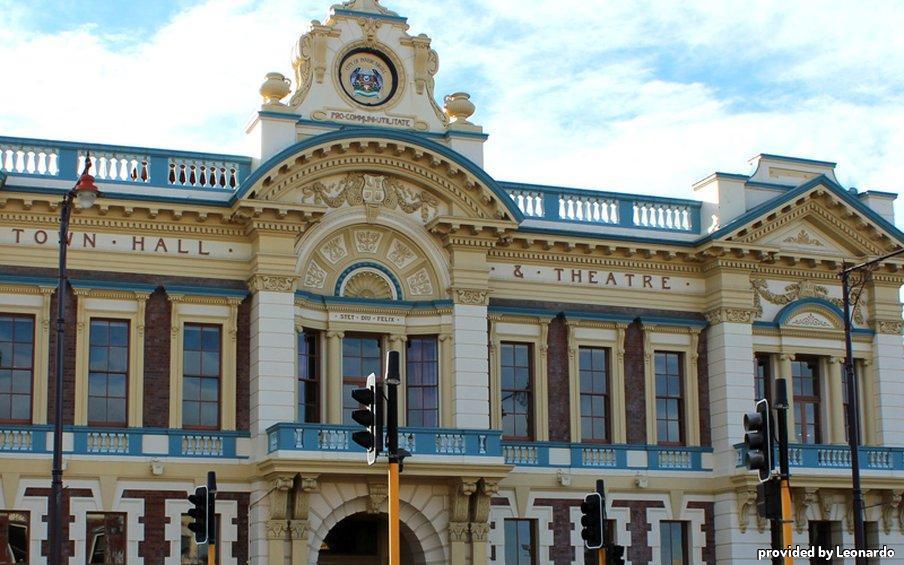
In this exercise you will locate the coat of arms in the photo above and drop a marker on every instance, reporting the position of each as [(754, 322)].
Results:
[(367, 83), (373, 192)]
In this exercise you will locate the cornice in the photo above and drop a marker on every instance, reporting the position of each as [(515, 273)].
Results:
[(207, 300), (111, 294), (836, 335), (371, 309), (144, 226), (600, 260)]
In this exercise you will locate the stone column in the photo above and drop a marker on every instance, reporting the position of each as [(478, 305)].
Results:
[(334, 376), (888, 358), (868, 401), (446, 387), (298, 525), (273, 376), (836, 412), (277, 524), (470, 388), (480, 520), (785, 373), (731, 391), (459, 515)]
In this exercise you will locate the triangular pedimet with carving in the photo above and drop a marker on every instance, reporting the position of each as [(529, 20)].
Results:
[(419, 179), (817, 221)]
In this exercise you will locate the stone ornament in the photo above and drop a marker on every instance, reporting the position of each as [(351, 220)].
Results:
[(315, 276), (334, 250), (272, 283), (471, 296), (894, 327), (367, 241), (730, 315), (419, 283), (373, 191), (368, 284), (459, 108), (793, 292), (400, 254), (274, 89), (804, 238)]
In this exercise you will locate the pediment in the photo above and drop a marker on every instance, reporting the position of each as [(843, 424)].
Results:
[(417, 178), (819, 219)]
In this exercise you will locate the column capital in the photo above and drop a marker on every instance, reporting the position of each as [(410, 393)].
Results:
[(272, 283), (333, 334), (458, 532), (730, 315), (471, 296), (480, 531), (298, 529)]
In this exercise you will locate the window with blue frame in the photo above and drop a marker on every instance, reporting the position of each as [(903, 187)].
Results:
[(17, 334), (108, 372)]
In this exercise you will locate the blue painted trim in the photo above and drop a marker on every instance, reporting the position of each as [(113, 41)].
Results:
[(545, 188), (568, 314), (775, 326), (381, 133), (34, 281), (289, 116), (601, 316), (820, 180), (398, 304), (137, 197), (787, 311), (331, 124), (124, 149), (600, 235), (112, 285), (770, 185), (892, 195), (204, 291), (372, 265), (2, 180), (796, 159), (519, 311), (359, 14), (670, 321)]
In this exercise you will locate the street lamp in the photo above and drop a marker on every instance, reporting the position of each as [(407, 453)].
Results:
[(83, 196), (853, 407)]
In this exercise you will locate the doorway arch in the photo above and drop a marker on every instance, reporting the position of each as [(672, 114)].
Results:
[(361, 539)]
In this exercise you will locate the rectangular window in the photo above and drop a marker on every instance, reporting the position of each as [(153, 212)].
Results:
[(308, 377), (520, 542), (422, 381), (192, 553), (669, 398), (202, 372), (805, 380), (14, 538), (673, 543), (762, 377), (826, 535), (17, 335), (593, 366), (105, 538), (517, 391), (361, 356), (108, 372)]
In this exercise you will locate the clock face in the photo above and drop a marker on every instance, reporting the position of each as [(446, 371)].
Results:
[(368, 77)]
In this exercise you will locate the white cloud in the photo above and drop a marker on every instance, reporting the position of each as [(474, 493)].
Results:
[(572, 92)]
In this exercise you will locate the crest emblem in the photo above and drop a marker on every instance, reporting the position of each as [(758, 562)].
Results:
[(366, 82), (374, 192)]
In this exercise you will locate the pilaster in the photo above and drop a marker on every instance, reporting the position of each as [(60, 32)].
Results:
[(277, 524), (835, 410), (470, 389), (334, 385), (298, 526), (480, 520)]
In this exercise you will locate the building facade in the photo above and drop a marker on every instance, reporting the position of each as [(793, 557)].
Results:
[(222, 307)]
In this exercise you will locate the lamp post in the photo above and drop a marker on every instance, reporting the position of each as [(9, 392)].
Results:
[(82, 195), (853, 407)]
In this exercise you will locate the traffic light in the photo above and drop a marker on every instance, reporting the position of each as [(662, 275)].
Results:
[(592, 521), (371, 417), (758, 440), (615, 555), (199, 514), (769, 499)]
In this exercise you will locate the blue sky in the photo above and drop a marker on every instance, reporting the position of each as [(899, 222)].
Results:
[(642, 96)]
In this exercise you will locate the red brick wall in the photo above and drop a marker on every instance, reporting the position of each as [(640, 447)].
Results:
[(708, 529), (68, 494), (155, 548), (703, 389), (635, 385), (243, 366), (70, 303), (557, 376), (561, 552), (640, 550), (157, 360)]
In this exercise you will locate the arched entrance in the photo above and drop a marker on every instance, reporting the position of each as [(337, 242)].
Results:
[(362, 539)]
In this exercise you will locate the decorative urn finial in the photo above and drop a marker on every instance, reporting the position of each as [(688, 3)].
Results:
[(274, 89), (459, 108)]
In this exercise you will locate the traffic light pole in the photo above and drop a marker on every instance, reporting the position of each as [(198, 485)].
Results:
[(601, 490), (392, 440), (781, 405)]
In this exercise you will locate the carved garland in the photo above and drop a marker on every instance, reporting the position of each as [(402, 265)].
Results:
[(730, 315), (795, 291), (471, 296), (372, 190), (272, 283)]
